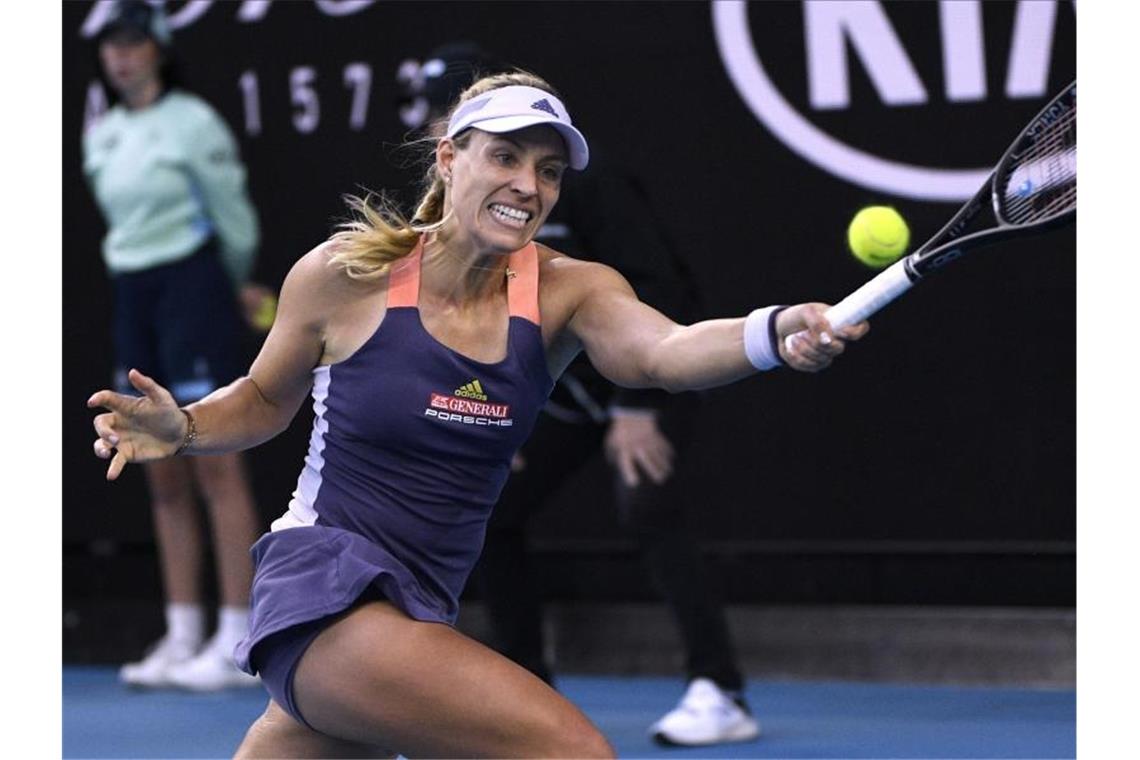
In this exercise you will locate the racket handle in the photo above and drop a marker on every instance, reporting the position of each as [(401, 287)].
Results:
[(874, 294)]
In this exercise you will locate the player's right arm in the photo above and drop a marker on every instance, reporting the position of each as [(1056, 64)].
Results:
[(249, 410), (635, 346)]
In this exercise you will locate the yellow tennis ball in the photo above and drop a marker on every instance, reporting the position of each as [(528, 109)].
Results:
[(265, 314), (878, 235)]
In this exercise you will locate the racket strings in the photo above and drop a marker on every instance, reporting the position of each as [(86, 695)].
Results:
[(1041, 182)]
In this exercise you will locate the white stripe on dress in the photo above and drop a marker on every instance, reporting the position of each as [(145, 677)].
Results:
[(301, 510)]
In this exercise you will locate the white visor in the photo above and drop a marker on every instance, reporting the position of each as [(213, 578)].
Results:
[(507, 109)]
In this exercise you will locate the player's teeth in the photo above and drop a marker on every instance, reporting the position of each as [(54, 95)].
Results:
[(510, 212)]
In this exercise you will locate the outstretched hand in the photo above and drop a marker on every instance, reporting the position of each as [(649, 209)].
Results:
[(818, 346), (137, 428)]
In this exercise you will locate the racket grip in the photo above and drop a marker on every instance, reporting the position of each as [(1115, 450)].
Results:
[(874, 294)]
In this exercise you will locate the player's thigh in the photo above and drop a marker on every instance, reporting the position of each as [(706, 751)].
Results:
[(378, 677)]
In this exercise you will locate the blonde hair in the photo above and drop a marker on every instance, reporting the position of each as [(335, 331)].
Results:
[(378, 235)]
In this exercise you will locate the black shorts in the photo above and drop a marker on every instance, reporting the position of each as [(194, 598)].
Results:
[(276, 657), (179, 323)]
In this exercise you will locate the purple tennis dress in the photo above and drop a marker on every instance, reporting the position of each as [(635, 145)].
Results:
[(410, 448)]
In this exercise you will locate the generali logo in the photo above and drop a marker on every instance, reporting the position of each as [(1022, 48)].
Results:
[(469, 405), (947, 58)]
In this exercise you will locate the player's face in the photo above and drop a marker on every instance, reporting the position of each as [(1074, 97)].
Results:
[(504, 186), (130, 61)]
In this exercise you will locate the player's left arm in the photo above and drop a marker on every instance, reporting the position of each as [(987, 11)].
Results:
[(634, 345)]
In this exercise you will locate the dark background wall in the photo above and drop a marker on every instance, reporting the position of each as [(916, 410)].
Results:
[(934, 464)]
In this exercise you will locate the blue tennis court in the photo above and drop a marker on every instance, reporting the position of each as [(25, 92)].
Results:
[(102, 719)]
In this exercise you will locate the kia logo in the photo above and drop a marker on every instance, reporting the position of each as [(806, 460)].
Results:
[(832, 29)]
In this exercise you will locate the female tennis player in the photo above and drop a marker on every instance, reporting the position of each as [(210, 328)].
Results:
[(429, 347)]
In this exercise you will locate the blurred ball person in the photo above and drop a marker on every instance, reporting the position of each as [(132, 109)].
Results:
[(603, 215), (180, 243)]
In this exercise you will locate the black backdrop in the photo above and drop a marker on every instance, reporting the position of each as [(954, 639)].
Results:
[(934, 464)]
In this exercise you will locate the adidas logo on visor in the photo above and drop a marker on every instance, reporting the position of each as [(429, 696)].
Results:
[(544, 105)]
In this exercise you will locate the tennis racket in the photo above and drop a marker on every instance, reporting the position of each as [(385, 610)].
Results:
[(1032, 189)]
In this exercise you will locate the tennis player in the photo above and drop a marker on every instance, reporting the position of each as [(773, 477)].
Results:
[(640, 431), (429, 347)]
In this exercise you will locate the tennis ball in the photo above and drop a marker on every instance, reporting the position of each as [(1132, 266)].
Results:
[(878, 235), (265, 314)]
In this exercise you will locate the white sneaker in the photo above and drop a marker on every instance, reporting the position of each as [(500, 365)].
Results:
[(153, 670), (705, 715), (212, 669)]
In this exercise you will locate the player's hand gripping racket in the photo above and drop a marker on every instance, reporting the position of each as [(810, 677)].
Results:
[(1032, 188)]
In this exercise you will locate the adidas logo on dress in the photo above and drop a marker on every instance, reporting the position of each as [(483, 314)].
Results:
[(471, 390)]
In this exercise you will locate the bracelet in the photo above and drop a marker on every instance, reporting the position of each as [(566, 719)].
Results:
[(761, 343), (191, 432)]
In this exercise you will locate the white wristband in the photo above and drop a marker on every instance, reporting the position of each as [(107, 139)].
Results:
[(760, 338)]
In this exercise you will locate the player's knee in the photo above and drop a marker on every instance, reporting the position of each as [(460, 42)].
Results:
[(262, 735), (583, 744), (275, 733), (577, 737), (595, 745), (591, 744)]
